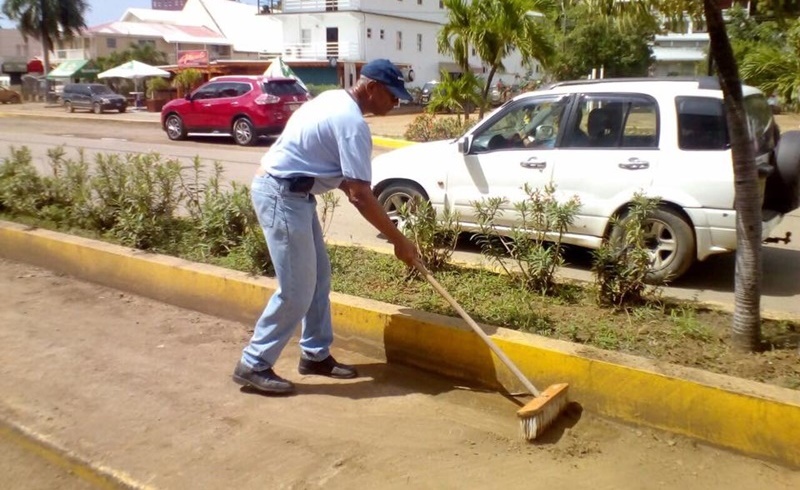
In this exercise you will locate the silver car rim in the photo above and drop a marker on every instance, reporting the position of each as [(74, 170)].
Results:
[(242, 131), (661, 245), (174, 127), (393, 205)]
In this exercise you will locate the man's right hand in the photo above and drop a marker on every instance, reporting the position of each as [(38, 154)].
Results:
[(406, 251)]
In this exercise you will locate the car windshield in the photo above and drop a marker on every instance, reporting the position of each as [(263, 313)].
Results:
[(428, 87), (101, 90), (525, 119), (283, 87)]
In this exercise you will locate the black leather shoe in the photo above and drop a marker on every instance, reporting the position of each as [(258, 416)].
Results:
[(266, 381), (327, 367)]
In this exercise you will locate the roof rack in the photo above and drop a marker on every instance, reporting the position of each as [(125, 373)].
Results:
[(705, 83)]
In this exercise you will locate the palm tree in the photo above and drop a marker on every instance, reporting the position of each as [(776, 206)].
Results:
[(502, 27), (48, 21), (456, 36), (746, 328)]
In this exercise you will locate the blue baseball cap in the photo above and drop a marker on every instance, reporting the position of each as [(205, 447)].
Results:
[(383, 71)]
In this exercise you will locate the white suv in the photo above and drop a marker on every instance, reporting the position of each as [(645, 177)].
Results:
[(604, 141)]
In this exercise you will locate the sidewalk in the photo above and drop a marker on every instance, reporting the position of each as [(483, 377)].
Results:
[(390, 126), (140, 392)]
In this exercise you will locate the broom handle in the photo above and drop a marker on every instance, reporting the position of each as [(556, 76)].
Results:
[(478, 330)]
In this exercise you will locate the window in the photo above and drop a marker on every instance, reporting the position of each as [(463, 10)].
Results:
[(111, 43), (399, 41), (701, 124), (614, 121), (381, 33), (369, 33), (207, 92), (441, 4), (283, 87), (147, 42), (305, 37), (419, 42), (419, 2), (533, 124)]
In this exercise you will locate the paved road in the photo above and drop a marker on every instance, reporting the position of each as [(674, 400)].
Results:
[(708, 281)]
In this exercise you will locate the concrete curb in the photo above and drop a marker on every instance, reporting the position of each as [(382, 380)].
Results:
[(98, 476), (754, 418), (130, 118)]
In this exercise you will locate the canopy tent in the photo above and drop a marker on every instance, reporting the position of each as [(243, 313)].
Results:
[(134, 70), (74, 69), (279, 69)]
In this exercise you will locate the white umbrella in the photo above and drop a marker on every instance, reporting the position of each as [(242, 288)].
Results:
[(135, 70), (279, 69)]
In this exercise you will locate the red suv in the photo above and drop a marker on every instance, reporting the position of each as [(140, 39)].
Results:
[(245, 107)]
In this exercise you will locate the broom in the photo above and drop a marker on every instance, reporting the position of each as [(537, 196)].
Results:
[(537, 415)]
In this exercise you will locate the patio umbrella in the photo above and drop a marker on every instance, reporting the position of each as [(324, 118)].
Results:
[(134, 70), (279, 69)]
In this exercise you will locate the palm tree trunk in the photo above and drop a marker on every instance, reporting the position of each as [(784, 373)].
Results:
[(45, 49), (746, 331)]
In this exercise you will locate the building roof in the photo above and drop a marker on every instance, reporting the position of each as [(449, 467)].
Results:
[(152, 15), (169, 33), (678, 54)]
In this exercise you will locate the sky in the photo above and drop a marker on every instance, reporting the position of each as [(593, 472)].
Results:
[(102, 11)]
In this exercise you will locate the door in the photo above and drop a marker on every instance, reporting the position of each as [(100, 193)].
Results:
[(197, 115), (220, 110), (609, 153), (332, 42), (514, 148)]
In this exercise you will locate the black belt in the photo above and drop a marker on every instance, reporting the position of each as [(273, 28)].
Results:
[(300, 183)]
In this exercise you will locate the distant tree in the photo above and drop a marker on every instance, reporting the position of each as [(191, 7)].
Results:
[(622, 50), (48, 21), (146, 53)]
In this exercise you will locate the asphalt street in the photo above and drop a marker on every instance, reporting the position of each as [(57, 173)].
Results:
[(43, 129)]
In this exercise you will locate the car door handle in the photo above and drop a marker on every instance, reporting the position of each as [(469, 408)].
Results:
[(534, 164), (634, 164)]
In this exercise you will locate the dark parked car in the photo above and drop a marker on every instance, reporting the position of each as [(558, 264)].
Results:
[(244, 107), (427, 92), (92, 96)]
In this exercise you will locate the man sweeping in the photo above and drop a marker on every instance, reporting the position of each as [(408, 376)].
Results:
[(326, 145)]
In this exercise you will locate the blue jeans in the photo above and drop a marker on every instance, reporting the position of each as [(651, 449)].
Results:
[(294, 237)]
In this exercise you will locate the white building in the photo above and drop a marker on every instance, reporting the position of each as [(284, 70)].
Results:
[(677, 54)]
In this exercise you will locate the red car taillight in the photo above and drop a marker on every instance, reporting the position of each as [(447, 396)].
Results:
[(266, 99)]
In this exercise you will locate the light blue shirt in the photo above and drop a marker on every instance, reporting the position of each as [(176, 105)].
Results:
[(326, 138)]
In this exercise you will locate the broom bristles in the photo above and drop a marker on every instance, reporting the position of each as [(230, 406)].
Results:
[(539, 413)]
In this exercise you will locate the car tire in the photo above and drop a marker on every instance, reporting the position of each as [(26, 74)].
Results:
[(244, 133), (670, 242), (122, 109), (97, 108), (176, 131), (68, 107), (395, 195), (782, 193)]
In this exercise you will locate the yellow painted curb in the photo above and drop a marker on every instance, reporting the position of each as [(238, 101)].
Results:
[(385, 142), (754, 418), (98, 476)]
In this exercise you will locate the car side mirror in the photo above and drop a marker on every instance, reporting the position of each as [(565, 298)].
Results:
[(465, 144)]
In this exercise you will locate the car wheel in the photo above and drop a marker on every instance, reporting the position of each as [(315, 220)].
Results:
[(16, 100), (122, 109), (97, 108), (670, 242), (393, 197), (68, 107), (175, 128), (243, 132), (782, 193)]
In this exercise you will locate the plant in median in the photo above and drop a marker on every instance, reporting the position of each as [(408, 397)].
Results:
[(621, 264), (435, 236), (533, 243), (21, 187)]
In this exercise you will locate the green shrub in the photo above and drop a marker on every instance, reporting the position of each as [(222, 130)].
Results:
[(533, 243), (620, 266), (427, 127), (21, 187), (435, 237)]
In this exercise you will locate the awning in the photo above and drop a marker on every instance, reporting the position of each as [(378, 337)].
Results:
[(74, 68), (15, 67)]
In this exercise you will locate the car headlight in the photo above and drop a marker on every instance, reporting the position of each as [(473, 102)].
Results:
[(104, 100)]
